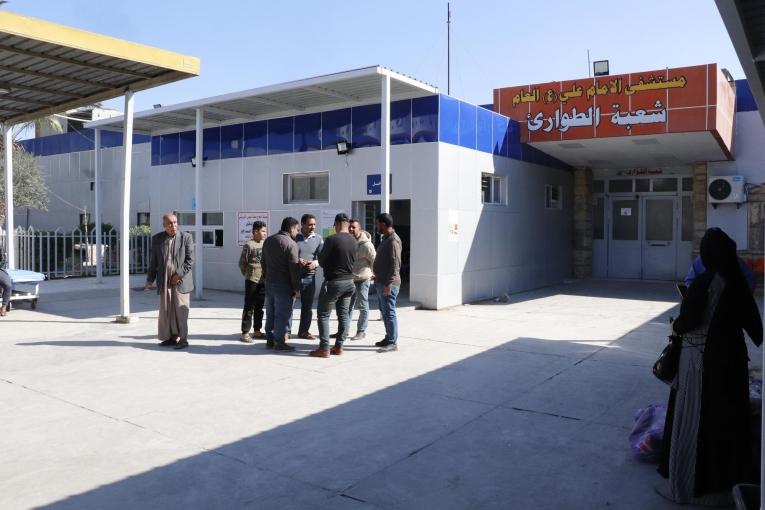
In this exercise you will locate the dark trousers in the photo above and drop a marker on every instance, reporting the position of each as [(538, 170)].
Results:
[(254, 297), (335, 293), (307, 290), (7, 287)]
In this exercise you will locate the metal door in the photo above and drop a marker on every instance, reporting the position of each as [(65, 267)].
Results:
[(659, 238), (624, 257)]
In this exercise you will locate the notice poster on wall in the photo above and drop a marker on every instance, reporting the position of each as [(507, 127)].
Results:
[(626, 211), (454, 226), (246, 219), (328, 222)]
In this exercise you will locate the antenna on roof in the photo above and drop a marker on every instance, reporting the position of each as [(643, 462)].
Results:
[(448, 48)]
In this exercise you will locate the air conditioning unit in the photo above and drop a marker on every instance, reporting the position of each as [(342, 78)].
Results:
[(726, 190)]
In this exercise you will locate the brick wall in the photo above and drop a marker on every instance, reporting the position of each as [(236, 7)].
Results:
[(582, 223)]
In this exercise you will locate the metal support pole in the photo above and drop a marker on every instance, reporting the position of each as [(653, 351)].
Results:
[(127, 145), (8, 145), (198, 246), (385, 143), (762, 436), (97, 191)]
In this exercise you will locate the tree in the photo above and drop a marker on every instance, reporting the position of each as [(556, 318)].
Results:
[(29, 187)]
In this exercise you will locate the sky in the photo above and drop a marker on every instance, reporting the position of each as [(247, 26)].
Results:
[(495, 43)]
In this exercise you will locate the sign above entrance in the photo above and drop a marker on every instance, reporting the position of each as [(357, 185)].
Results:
[(648, 103)]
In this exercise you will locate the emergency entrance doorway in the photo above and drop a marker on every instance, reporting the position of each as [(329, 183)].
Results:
[(366, 212), (643, 228)]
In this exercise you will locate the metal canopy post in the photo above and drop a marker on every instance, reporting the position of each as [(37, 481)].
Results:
[(8, 144), (127, 145), (97, 191), (198, 244), (385, 142)]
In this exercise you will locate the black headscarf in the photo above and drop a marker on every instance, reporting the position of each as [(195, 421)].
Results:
[(718, 254)]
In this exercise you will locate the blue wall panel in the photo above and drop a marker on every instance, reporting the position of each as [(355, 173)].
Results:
[(187, 146), (401, 122), (484, 123), (448, 119), (744, 98), (308, 132), (366, 125), (425, 119), (169, 149), (211, 143), (231, 141), (280, 134), (468, 115), (499, 134), (336, 126), (255, 138), (155, 154)]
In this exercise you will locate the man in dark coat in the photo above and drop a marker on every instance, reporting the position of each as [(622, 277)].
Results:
[(172, 257)]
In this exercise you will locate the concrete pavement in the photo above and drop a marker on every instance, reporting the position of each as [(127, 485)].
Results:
[(526, 404)]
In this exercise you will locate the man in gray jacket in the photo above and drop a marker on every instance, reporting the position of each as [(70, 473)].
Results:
[(387, 269), (362, 276), (281, 268), (172, 257)]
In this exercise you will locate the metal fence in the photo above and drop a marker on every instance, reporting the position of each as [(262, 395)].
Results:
[(60, 254)]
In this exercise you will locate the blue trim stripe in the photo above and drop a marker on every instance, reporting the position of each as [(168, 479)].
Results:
[(75, 141), (744, 98)]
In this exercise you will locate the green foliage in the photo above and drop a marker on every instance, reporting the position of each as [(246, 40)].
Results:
[(140, 229), (29, 187)]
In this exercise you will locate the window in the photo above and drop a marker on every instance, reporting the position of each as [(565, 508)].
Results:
[(212, 226), (665, 184), (620, 186), (492, 189), (306, 188), (143, 219), (553, 197)]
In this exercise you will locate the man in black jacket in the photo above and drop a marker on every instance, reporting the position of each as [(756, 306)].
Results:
[(336, 259), (281, 268), (172, 257)]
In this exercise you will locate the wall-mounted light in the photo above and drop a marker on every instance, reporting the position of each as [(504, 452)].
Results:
[(158, 105), (343, 147), (600, 68), (194, 161)]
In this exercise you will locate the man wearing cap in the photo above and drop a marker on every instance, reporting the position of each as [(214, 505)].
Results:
[(336, 259)]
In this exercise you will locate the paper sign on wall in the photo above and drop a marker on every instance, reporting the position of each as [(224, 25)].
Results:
[(454, 227), (328, 222), (626, 211), (246, 219)]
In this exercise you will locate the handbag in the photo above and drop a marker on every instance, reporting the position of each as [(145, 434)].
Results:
[(665, 367)]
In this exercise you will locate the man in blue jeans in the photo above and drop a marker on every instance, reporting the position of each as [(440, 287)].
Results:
[(336, 259), (362, 276), (387, 269), (281, 269), (309, 246)]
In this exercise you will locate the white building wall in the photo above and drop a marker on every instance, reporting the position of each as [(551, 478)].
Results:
[(499, 248), (749, 154), (68, 177)]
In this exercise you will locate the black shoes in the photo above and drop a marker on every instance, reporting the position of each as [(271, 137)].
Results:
[(389, 347), (168, 343), (182, 344), (285, 347), (382, 343)]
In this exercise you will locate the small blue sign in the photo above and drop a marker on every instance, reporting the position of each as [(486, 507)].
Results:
[(193, 203), (374, 184)]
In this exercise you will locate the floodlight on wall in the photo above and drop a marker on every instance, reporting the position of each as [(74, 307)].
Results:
[(194, 161), (158, 105), (343, 147), (600, 68)]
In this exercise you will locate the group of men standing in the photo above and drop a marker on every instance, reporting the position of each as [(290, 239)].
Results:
[(280, 268)]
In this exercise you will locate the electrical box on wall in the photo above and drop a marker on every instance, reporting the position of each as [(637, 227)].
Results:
[(727, 189)]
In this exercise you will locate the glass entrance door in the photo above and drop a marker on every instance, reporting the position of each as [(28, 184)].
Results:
[(624, 260), (659, 239)]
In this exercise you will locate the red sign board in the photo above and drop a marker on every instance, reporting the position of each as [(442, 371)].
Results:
[(647, 103)]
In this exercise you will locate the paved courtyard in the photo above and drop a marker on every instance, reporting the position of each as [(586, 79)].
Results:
[(524, 405)]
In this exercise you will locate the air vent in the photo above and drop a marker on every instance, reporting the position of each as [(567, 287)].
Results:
[(645, 141), (571, 145)]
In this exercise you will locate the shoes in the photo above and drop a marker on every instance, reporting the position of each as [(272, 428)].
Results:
[(319, 353), (388, 348), (3, 311), (258, 334), (269, 344), (359, 336), (305, 335), (246, 338), (382, 343), (285, 347), (182, 344), (168, 343), (336, 350)]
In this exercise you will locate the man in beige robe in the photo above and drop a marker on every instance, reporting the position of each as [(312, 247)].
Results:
[(172, 257)]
